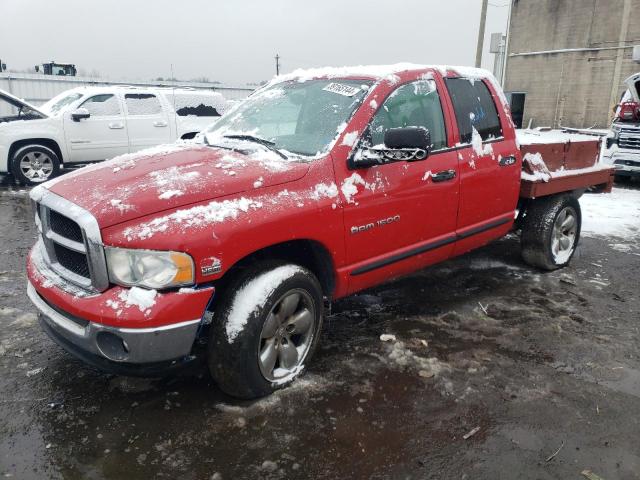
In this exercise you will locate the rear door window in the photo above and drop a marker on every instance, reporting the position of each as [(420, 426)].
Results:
[(474, 108), (142, 104), (105, 105)]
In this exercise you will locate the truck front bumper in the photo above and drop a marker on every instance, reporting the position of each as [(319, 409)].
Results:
[(625, 161), (128, 345)]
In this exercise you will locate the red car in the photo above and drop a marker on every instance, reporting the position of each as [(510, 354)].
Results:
[(320, 184)]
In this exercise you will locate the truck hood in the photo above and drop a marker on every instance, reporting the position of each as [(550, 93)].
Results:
[(168, 177), (16, 102), (633, 83)]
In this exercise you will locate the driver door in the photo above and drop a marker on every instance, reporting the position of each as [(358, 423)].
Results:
[(397, 218), (101, 136)]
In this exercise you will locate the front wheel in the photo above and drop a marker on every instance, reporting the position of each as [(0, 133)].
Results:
[(264, 333), (551, 231), (34, 164)]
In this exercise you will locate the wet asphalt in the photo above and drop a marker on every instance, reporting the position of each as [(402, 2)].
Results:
[(490, 369)]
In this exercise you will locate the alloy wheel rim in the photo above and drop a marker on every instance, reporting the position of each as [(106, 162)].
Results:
[(36, 166), (563, 237), (286, 336)]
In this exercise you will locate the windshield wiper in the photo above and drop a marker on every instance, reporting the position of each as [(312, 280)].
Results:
[(265, 143)]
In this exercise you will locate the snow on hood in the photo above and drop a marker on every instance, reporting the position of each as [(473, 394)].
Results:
[(15, 100), (168, 177), (632, 82)]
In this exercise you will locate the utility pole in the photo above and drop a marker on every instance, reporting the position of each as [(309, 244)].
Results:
[(277, 64), (483, 20)]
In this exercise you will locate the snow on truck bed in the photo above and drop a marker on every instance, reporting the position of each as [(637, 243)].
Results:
[(546, 137)]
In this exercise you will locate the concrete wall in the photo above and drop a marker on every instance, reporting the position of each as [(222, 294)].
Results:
[(571, 88), (38, 88)]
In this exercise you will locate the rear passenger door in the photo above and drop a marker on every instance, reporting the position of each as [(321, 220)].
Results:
[(147, 121), (489, 166)]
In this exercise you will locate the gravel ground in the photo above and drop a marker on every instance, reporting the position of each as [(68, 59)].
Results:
[(488, 369)]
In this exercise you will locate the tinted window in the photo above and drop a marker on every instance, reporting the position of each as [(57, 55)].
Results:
[(474, 108), (413, 104), (102, 105), (142, 104)]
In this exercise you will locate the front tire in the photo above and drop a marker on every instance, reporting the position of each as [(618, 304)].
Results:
[(266, 330), (551, 232), (34, 164)]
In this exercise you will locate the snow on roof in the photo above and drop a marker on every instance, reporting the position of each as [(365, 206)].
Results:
[(377, 71)]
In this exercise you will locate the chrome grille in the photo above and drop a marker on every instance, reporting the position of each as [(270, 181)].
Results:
[(629, 138), (71, 238)]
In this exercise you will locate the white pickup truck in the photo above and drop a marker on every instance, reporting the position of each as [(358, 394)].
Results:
[(90, 124), (622, 147)]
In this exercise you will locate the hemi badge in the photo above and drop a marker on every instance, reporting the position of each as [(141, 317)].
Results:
[(210, 266)]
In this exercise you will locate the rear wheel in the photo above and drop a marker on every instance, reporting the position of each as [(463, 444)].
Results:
[(551, 232), (34, 164), (265, 331)]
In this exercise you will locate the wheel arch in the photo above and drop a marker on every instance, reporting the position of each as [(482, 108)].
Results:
[(46, 142), (188, 135), (310, 254)]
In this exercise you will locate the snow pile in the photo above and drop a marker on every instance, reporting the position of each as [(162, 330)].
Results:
[(253, 295), (615, 214), (198, 216), (478, 147), (350, 139), (139, 297), (170, 182), (536, 164), (349, 188), (325, 190)]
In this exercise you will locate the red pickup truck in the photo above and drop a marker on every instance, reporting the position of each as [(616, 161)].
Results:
[(320, 184)]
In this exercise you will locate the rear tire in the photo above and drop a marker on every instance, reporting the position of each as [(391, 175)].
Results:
[(265, 330), (34, 164), (551, 232)]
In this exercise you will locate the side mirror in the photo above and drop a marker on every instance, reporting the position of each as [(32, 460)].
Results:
[(405, 144), (80, 114), (408, 137)]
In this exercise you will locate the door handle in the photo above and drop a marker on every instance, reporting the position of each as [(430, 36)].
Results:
[(506, 161), (116, 126), (443, 176), (159, 124)]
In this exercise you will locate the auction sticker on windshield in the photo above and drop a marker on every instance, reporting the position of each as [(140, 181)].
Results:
[(341, 89)]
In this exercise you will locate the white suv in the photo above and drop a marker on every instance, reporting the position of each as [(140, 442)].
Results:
[(90, 124)]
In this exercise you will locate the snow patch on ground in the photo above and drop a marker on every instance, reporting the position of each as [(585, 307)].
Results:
[(615, 214), (253, 295)]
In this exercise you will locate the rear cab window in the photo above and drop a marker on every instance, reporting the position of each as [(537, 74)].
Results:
[(195, 105), (474, 108)]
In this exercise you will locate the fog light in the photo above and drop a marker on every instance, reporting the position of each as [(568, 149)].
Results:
[(112, 346)]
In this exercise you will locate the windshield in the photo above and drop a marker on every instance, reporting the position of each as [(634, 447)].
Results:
[(298, 117), (58, 103)]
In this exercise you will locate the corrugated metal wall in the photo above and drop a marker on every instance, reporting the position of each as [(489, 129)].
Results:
[(38, 88)]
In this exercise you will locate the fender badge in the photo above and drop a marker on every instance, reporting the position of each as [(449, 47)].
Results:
[(210, 266)]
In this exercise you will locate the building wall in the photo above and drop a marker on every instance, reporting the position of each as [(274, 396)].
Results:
[(571, 88)]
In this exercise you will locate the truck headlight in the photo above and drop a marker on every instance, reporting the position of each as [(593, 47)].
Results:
[(149, 268)]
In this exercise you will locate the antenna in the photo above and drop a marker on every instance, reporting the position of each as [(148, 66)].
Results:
[(277, 57), (173, 91)]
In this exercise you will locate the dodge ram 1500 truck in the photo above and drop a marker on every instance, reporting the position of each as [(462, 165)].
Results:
[(320, 184)]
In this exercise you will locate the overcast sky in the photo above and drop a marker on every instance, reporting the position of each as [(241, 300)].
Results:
[(234, 41)]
